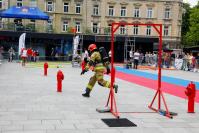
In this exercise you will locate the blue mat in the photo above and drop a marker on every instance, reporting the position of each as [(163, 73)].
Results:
[(171, 80)]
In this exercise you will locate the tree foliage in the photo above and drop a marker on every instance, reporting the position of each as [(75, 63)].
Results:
[(185, 22), (192, 35), (185, 18)]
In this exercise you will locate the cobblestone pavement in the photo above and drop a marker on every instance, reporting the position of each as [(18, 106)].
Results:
[(29, 103)]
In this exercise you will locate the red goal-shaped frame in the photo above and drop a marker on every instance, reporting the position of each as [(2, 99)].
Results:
[(159, 94)]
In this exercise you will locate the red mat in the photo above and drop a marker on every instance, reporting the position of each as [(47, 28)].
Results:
[(172, 89)]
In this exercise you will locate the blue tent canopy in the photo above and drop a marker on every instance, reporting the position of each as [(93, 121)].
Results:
[(24, 12)]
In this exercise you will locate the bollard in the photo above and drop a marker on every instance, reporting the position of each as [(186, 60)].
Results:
[(60, 77), (191, 93), (45, 68)]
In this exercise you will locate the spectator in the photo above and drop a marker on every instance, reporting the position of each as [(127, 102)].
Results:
[(23, 56), (155, 59), (86, 55), (189, 61), (166, 59), (1, 51), (131, 54), (136, 58), (141, 58), (197, 63), (29, 53), (193, 63), (185, 62), (11, 54), (150, 58), (37, 55), (109, 54), (34, 55), (52, 54), (147, 58)]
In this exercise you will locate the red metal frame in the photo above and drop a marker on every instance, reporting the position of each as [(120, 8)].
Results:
[(111, 98)]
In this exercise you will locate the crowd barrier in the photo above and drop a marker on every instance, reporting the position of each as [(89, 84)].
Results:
[(6, 56)]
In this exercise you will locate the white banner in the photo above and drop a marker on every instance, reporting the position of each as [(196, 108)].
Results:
[(22, 42), (75, 44), (178, 63)]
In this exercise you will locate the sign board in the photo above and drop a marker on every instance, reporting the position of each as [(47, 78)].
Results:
[(103, 38)]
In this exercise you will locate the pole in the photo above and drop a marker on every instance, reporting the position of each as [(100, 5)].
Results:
[(159, 67)]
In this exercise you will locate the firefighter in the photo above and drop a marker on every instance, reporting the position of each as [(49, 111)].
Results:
[(99, 69)]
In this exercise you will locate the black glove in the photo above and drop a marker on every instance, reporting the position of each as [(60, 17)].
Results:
[(83, 71), (108, 70)]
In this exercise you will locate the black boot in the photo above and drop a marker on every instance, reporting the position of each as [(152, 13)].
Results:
[(115, 88), (87, 93)]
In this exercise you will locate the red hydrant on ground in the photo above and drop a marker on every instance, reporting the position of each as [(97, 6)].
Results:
[(45, 68), (191, 93), (60, 77)]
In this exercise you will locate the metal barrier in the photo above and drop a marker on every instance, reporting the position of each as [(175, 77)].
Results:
[(6, 56)]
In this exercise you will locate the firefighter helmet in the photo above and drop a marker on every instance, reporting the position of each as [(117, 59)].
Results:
[(92, 47)]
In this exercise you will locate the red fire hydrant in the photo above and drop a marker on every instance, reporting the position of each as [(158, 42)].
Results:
[(60, 77), (191, 93), (45, 68)]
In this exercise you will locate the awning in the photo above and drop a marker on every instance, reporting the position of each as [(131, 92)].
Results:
[(24, 12)]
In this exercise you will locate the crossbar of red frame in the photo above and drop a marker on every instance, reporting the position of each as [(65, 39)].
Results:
[(158, 93)]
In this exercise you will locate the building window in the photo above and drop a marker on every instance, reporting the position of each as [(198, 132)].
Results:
[(78, 27), (148, 30), (66, 7), (49, 7), (95, 10), (33, 3), (166, 30), (108, 30), (167, 13), (149, 12), (19, 3), (123, 11), (111, 11), (135, 29), (65, 26), (95, 28), (78, 9), (136, 12), (50, 25), (1, 5), (122, 30)]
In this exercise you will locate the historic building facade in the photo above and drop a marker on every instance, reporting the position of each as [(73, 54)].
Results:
[(94, 17)]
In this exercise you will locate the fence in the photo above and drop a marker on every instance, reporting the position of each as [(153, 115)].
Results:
[(6, 56)]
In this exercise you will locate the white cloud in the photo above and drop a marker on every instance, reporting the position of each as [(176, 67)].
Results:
[(191, 2)]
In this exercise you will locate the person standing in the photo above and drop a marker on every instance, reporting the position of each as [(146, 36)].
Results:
[(131, 55), (11, 54), (37, 55), (29, 53), (197, 63), (109, 54), (86, 55), (24, 56), (136, 59), (52, 54), (1, 51), (99, 69), (34, 55)]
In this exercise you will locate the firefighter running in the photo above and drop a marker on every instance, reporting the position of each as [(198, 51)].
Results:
[(99, 67)]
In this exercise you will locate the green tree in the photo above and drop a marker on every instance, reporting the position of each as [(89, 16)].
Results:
[(185, 22), (192, 36)]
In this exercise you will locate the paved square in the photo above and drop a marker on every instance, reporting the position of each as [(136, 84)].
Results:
[(29, 103)]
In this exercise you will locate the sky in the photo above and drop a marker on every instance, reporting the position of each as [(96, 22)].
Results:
[(191, 2)]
